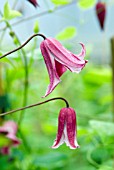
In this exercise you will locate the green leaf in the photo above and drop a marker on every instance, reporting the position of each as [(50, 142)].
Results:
[(67, 33), (14, 14), (9, 13), (36, 27), (6, 10), (86, 3), (61, 2)]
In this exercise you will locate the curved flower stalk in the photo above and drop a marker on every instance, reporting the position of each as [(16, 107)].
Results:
[(9, 130), (58, 60), (66, 129), (33, 2)]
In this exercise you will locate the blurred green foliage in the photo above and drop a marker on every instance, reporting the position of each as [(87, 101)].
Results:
[(89, 93), (9, 14)]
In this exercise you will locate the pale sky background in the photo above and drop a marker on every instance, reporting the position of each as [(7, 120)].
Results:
[(85, 21)]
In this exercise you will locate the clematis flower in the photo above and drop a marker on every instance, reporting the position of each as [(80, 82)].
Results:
[(34, 2), (8, 130), (58, 60), (66, 129), (101, 13)]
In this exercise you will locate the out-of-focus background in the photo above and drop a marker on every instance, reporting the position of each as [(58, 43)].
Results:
[(24, 79)]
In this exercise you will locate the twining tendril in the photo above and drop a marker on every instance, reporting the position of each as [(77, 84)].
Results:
[(36, 104), (26, 42)]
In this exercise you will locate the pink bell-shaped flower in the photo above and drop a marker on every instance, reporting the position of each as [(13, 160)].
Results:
[(67, 129), (58, 60), (9, 130)]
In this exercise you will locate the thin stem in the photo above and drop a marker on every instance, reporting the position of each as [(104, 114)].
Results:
[(26, 42), (25, 69), (28, 149), (26, 81), (36, 104)]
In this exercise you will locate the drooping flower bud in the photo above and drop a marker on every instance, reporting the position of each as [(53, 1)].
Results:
[(67, 129), (101, 13)]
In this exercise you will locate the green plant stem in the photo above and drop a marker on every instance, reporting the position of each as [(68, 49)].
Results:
[(25, 95), (36, 104), (26, 146), (25, 65), (26, 83)]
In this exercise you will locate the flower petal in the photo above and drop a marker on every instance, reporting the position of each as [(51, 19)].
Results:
[(60, 135), (50, 64), (59, 68), (14, 139), (9, 127), (65, 57), (71, 128)]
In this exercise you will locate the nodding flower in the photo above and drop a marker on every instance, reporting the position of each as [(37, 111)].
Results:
[(67, 129), (9, 130), (58, 60)]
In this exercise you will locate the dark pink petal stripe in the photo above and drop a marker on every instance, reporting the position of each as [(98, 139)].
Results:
[(59, 68)]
